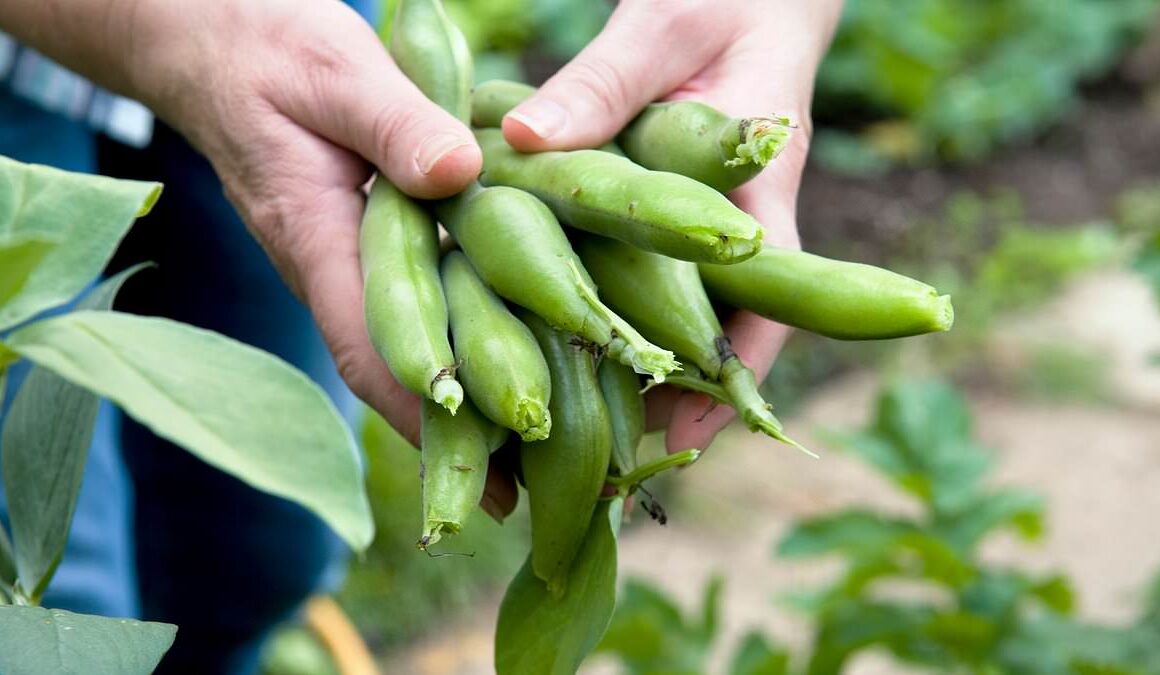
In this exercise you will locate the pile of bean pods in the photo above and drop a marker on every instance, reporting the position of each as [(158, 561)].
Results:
[(572, 275)]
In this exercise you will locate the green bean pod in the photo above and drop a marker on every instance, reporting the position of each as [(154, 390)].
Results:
[(564, 473), (493, 99), (432, 52), (453, 472), (843, 300), (599, 192), (621, 389), (500, 364), (517, 247), (538, 633), (665, 298), (703, 143), (403, 303)]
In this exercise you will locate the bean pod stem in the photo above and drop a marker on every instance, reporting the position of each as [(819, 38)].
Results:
[(703, 143)]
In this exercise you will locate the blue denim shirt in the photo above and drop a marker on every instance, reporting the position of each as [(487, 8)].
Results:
[(37, 80)]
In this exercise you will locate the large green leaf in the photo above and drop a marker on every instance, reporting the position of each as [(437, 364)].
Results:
[(87, 215), (541, 634), (236, 407), (45, 444), (37, 641), (19, 256)]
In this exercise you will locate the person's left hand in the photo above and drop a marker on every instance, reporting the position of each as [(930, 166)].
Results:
[(744, 57)]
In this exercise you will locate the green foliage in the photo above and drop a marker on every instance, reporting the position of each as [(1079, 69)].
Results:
[(1147, 262), (395, 592), (951, 79), (86, 217), (651, 635), (236, 407), (40, 641), (968, 616), (47, 437)]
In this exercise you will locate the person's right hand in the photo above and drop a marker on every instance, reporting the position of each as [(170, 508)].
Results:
[(295, 103)]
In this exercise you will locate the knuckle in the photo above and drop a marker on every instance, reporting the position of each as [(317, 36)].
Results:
[(603, 84)]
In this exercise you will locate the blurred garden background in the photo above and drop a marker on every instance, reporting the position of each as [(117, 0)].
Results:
[(987, 500)]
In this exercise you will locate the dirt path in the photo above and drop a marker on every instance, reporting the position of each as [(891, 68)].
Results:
[(1097, 467)]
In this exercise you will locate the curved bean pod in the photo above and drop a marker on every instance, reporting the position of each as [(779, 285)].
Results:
[(500, 364), (517, 247), (432, 52), (403, 303), (665, 298), (564, 473), (703, 143), (843, 300), (609, 195), (455, 449)]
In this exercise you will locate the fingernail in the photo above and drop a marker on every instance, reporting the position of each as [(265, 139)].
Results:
[(435, 149), (544, 118), (491, 508)]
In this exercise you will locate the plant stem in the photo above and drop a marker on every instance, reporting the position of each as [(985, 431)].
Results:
[(627, 484)]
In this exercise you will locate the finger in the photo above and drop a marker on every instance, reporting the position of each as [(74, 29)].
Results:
[(640, 55), (359, 99)]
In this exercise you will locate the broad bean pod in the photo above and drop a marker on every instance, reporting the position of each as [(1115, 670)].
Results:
[(564, 473), (540, 633), (843, 300), (432, 52), (403, 303), (518, 248), (609, 195), (454, 451), (703, 143), (665, 298), (685, 137), (500, 364)]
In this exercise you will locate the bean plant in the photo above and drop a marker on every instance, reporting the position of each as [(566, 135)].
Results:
[(239, 409), (975, 616)]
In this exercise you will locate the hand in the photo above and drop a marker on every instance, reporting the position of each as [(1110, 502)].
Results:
[(745, 57), (294, 103)]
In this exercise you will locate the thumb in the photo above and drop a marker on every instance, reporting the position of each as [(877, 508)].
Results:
[(641, 55), (367, 105)]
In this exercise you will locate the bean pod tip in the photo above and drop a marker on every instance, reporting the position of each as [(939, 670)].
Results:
[(535, 420), (448, 393)]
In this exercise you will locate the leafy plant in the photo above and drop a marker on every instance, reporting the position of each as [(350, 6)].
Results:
[(950, 79), (235, 407), (962, 614), (652, 636)]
